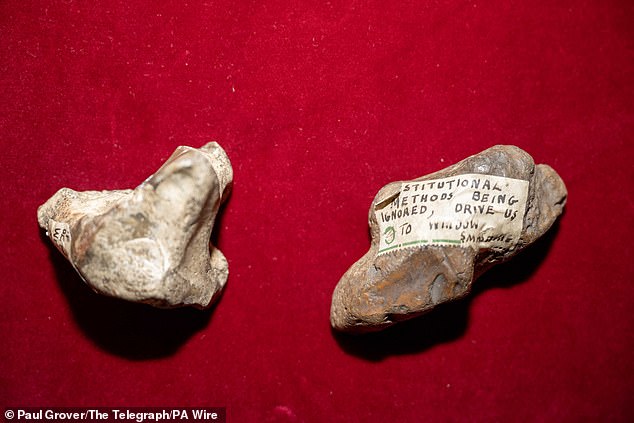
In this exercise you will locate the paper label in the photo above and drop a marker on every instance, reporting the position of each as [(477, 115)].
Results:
[(482, 211), (59, 232)]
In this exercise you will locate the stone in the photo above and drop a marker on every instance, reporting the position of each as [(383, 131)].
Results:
[(433, 236), (151, 244)]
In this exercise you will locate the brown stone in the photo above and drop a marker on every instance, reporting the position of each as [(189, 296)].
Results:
[(397, 280)]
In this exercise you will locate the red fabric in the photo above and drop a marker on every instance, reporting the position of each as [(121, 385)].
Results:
[(318, 106)]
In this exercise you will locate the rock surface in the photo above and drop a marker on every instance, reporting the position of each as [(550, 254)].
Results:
[(150, 244), (433, 236)]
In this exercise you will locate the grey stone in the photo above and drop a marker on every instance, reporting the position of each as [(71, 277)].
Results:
[(383, 288), (151, 244)]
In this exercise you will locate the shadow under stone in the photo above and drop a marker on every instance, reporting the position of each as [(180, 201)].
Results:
[(447, 322), (130, 330)]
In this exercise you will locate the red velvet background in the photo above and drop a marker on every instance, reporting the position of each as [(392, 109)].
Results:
[(318, 106)]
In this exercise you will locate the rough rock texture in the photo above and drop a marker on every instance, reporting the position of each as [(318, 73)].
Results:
[(383, 288), (150, 244)]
